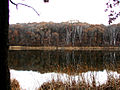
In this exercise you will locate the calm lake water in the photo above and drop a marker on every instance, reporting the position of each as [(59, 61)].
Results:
[(32, 68), (71, 62)]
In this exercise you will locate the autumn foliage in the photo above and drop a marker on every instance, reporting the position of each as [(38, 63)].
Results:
[(64, 34)]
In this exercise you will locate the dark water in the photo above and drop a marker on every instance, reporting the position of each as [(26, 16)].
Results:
[(64, 61)]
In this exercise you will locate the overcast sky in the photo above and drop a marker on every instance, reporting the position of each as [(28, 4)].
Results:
[(90, 11)]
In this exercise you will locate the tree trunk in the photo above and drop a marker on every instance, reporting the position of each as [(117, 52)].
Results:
[(4, 24)]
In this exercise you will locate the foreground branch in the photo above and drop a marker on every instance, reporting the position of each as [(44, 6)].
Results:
[(16, 4), (111, 8)]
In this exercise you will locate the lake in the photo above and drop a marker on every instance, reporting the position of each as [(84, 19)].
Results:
[(49, 63)]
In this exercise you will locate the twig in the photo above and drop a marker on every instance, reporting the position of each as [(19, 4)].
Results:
[(16, 4)]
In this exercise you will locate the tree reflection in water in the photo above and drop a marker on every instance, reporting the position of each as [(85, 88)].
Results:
[(70, 62)]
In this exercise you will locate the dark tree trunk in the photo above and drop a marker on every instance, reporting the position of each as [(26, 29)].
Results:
[(4, 24)]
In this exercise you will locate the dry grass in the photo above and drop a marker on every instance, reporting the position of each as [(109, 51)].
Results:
[(15, 85), (111, 84), (62, 48)]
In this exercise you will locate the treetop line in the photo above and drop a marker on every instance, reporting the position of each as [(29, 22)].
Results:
[(64, 34)]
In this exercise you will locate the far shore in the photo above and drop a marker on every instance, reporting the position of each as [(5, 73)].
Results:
[(63, 48)]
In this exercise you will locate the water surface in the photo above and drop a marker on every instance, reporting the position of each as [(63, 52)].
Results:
[(71, 62)]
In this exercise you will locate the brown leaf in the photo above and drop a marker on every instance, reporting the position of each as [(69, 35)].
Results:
[(110, 5)]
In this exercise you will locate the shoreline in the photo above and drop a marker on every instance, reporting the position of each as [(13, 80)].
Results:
[(63, 48)]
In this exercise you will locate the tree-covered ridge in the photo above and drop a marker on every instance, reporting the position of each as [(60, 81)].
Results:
[(64, 34)]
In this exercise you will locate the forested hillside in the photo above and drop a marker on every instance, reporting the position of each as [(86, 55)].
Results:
[(64, 34)]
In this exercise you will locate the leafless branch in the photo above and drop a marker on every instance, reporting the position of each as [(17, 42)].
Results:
[(16, 4)]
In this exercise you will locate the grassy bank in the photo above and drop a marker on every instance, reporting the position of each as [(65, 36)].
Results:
[(62, 48), (15, 85), (112, 83)]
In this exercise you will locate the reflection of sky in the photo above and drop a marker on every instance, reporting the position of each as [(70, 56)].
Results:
[(31, 80), (91, 11)]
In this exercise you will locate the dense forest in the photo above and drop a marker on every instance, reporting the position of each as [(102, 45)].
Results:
[(64, 34)]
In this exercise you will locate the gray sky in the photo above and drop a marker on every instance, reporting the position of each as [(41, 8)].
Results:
[(90, 11)]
